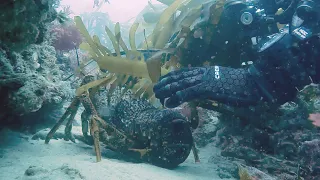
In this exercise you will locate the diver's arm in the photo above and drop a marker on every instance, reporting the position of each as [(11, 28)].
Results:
[(276, 77), (263, 81)]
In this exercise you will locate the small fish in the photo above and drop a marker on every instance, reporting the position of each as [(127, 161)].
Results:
[(315, 118)]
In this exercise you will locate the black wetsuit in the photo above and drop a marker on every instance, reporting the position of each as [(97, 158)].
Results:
[(231, 34), (287, 62)]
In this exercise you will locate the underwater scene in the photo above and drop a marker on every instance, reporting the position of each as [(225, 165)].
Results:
[(160, 90)]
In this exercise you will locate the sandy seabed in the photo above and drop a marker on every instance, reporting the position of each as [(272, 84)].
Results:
[(22, 158)]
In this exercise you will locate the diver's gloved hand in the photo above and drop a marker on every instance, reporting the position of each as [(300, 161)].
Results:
[(227, 85)]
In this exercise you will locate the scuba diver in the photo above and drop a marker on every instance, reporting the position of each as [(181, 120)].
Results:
[(241, 26), (286, 63)]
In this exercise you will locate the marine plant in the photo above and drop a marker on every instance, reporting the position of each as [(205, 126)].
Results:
[(95, 23), (134, 63), (66, 37)]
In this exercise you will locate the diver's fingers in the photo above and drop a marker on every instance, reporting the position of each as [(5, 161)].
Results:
[(171, 89), (176, 76), (186, 95)]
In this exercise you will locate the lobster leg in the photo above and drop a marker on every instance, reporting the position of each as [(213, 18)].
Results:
[(195, 152), (106, 125), (94, 130), (67, 130), (72, 109), (194, 114), (85, 119), (95, 121)]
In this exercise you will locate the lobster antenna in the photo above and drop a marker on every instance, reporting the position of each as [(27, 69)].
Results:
[(145, 38)]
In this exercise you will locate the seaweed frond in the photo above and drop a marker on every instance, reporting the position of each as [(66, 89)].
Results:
[(129, 72)]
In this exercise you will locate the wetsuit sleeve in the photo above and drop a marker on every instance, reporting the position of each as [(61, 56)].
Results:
[(286, 67), (275, 77)]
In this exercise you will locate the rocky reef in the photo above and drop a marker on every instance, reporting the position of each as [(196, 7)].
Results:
[(282, 143), (29, 75), (25, 22)]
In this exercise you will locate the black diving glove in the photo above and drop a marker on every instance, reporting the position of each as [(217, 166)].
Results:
[(227, 85)]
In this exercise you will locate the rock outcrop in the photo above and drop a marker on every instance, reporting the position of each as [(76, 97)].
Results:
[(29, 75)]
